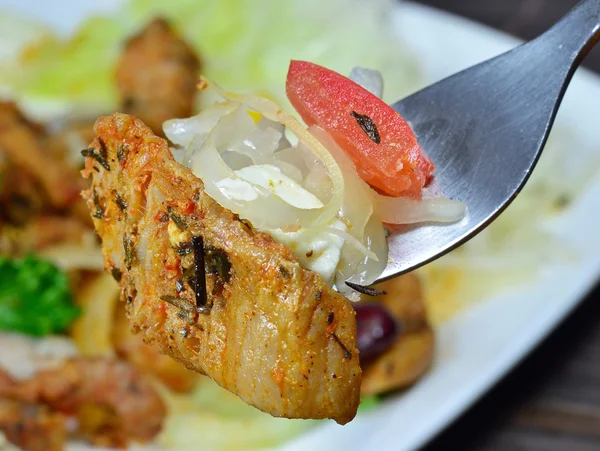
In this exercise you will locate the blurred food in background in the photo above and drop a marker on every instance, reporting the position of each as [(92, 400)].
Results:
[(50, 253)]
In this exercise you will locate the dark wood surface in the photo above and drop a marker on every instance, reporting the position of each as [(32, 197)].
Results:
[(551, 402)]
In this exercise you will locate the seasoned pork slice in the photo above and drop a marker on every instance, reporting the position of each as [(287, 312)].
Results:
[(31, 427), (157, 74), (114, 403), (211, 291), (22, 142)]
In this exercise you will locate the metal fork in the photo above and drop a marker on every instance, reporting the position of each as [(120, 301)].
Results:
[(485, 128)]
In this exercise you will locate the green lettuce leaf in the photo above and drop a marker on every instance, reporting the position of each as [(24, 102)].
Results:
[(245, 46)]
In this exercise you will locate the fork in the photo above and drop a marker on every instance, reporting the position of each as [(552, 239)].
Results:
[(485, 128)]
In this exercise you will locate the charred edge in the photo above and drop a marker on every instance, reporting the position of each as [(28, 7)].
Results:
[(330, 318), (369, 291), (347, 354), (178, 220), (120, 202), (180, 303), (199, 273), (99, 158), (116, 274), (129, 250), (122, 152), (285, 273), (99, 213), (368, 126)]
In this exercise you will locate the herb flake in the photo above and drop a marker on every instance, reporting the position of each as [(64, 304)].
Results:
[(122, 152), (99, 212), (116, 274), (368, 126), (369, 291), (120, 202), (96, 156), (180, 303), (199, 272), (347, 354), (178, 220), (129, 250), (217, 263)]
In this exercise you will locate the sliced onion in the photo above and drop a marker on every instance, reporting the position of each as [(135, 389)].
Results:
[(349, 239), (317, 182), (271, 111), (399, 210), (289, 170), (357, 206), (360, 269), (232, 130), (258, 144), (267, 210), (236, 160), (182, 131), (296, 156)]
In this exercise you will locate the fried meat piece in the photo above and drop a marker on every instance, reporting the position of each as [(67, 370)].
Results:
[(210, 290), (157, 76)]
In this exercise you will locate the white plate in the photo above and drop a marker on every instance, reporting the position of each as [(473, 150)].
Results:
[(477, 347), (480, 345)]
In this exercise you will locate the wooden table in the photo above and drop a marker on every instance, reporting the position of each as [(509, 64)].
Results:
[(551, 402)]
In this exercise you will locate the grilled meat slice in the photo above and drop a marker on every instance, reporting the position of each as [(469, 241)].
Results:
[(211, 291), (157, 74)]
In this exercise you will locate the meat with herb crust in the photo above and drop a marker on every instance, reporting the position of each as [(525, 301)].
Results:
[(260, 329), (113, 402), (157, 74), (31, 427)]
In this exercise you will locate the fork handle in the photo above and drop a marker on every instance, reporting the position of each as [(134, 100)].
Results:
[(576, 33)]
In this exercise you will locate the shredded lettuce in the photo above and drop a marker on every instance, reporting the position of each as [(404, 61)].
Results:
[(245, 44), (35, 297)]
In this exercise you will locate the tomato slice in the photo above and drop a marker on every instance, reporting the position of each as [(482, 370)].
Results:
[(380, 143)]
